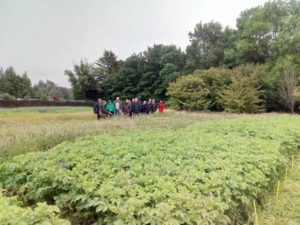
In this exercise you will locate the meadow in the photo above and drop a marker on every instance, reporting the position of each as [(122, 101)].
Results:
[(171, 168), (41, 128)]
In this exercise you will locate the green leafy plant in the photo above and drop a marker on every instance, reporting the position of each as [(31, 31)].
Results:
[(11, 212), (206, 173)]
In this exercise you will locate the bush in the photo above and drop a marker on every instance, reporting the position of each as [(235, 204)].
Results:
[(7, 96), (200, 90), (242, 96), (218, 89)]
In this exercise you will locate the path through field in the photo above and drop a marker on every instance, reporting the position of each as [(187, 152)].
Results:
[(286, 209)]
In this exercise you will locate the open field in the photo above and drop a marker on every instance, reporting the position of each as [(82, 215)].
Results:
[(171, 168), (37, 129)]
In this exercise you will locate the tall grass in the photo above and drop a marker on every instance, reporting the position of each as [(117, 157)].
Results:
[(37, 129)]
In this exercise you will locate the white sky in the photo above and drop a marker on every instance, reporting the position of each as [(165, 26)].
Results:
[(45, 37)]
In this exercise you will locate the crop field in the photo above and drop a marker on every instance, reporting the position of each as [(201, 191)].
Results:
[(171, 168), (37, 129)]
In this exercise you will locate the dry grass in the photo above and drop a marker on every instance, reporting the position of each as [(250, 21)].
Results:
[(38, 129)]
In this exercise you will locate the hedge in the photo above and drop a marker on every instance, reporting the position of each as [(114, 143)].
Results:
[(32, 103)]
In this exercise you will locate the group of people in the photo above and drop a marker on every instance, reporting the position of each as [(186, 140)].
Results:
[(129, 108)]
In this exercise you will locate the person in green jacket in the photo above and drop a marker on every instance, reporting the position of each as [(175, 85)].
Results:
[(110, 107)]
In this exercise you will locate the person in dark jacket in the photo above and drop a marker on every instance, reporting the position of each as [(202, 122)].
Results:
[(127, 108), (149, 106), (134, 107), (103, 111), (97, 108), (154, 106), (144, 107)]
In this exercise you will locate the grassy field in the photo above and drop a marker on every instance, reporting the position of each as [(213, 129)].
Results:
[(284, 210), (36, 129), (170, 168)]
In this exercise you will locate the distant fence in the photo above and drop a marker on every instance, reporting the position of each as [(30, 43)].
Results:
[(34, 103)]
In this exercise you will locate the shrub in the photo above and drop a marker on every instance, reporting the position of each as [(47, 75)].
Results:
[(218, 89), (7, 96), (242, 96), (200, 90)]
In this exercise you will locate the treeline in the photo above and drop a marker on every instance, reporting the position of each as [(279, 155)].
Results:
[(13, 86), (252, 68)]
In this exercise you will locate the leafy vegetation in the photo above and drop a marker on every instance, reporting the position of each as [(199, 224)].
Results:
[(207, 172), (14, 86), (235, 90), (11, 212)]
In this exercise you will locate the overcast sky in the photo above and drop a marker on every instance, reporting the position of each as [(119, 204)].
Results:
[(45, 37)]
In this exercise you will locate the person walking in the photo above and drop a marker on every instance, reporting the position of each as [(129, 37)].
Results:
[(161, 106), (110, 107), (127, 108), (154, 106), (97, 108), (118, 106)]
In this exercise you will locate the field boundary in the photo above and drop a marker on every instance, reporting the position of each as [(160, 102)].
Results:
[(34, 103)]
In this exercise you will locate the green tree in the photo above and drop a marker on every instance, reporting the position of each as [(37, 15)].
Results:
[(163, 63), (146, 74), (125, 83), (217, 89), (188, 93), (84, 81), (267, 80), (208, 42), (242, 96), (105, 68), (204, 94), (49, 90), (13, 84), (268, 32)]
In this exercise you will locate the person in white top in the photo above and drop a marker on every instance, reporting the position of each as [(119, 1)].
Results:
[(118, 106)]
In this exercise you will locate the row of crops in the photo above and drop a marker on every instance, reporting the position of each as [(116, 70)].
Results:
[(207, 173)]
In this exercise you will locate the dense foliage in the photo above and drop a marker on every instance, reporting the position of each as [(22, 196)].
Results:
[(267, 35), (14, 86), (49, 90), (206, 173), (11, 212), (235, 90)]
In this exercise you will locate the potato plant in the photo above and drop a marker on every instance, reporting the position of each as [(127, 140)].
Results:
[(11, 213), (206, 173)]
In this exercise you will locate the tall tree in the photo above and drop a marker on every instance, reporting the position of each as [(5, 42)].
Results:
[(13, 84), (163, 63), (208, 42), (125, 83), (105, 69), (268, 32), (83, 81)]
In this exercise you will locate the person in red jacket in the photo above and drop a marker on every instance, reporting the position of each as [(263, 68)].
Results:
[(161, 106)]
